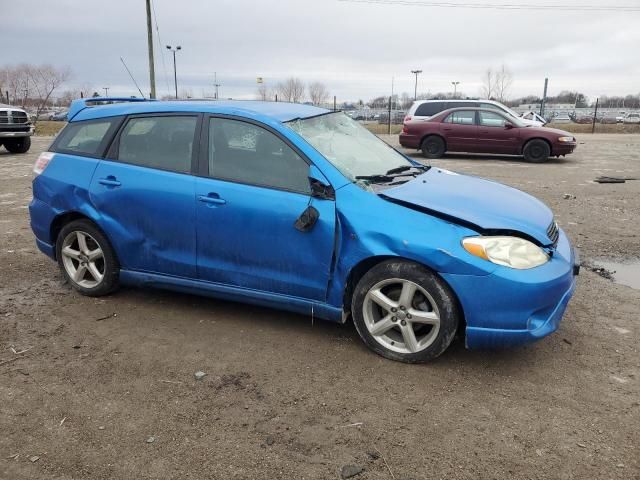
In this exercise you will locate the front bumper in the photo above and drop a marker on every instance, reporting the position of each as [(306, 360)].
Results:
[(514, 307), (22, 131), (563, 148)]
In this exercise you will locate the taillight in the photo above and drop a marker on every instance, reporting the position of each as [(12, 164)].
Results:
[(42, 162)]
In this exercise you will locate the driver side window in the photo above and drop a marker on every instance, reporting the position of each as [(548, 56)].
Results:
[(246, 153)]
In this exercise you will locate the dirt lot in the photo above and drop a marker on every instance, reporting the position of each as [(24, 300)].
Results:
[(288, 398)]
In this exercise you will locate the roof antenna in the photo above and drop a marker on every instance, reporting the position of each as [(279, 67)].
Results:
[(134, 80)]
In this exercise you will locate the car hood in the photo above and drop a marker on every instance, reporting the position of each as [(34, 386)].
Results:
[(548, 130), (481, 204)]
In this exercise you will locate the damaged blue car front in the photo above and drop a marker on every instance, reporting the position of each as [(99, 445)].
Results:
[(296, 207)]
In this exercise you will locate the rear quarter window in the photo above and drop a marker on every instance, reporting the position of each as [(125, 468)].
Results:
[(88, 138)]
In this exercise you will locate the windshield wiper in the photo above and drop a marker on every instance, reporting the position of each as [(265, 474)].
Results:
[(404, 168)]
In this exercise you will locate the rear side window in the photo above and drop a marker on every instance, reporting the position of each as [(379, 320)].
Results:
[(85, 138), (430, 109), (165, 143), (462, 118)]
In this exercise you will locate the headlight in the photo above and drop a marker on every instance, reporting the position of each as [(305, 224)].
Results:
[(566, 139), (511, 252)]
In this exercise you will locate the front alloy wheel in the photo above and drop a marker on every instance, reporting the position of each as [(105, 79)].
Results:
[(405, 312)]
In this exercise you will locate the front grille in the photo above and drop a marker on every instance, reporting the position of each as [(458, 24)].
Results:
[(552, 232), (19, 117)]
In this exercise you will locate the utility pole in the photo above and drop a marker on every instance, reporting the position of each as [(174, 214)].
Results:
[(415, 90), (216, 84), (175, 72), (544, 97), (152, 70), (455, 88), (595, 115)]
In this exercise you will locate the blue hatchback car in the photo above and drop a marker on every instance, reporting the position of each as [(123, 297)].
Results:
[(299, 208)]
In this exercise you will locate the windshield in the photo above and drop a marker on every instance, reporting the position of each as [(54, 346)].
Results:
[(349, 146)]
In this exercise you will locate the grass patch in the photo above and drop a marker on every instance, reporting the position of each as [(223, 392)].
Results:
[(383, 129), (46, 128)]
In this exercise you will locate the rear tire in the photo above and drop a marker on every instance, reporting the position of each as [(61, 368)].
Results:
[(18, 145), (405, 312), (433, 147), (536, 151), (87, 259)]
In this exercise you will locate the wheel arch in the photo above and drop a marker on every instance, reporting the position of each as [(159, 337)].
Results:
[(524, 146), (366, 264), (65, 218), (432, 134)]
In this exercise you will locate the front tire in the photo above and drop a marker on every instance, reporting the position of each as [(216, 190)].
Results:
[(87, 259), (433, 147), (536, 151), (404, 312), (18, 145)]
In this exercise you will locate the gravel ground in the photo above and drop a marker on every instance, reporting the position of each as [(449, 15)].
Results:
[(106, 387)]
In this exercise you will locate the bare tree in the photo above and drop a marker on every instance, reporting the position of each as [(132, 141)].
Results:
[(318, 93), (503, 81), (263, 92), (488, 84), (69, 95), (291, 90), (45, 79)]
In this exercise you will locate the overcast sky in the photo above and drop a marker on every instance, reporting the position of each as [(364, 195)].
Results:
[(354, 48)]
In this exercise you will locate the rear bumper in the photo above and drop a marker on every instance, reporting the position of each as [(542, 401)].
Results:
[(42, 216), (409, 141), (514, 307)]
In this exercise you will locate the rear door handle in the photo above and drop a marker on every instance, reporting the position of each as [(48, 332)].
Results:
[(212, 199), (110, 181)]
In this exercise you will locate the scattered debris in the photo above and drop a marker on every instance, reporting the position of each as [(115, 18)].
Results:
[(568, 196), (620, 465), (14, 456), (151, 439), (567, 341), (199, 375), (373, 455), (101, 427), (34, 458), (613, 179), (357, 424), (269, 440), (111, 315), (386, 464), (62, 421), (581, 445), (21, 351), (172, 381), (349, 471)]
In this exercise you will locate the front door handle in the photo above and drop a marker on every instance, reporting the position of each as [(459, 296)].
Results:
[(212, 199), (110, 181)]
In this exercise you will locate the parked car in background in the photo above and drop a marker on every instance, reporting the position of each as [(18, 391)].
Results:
[(561, 118), (608, 119), (15, 129), (476, 130), (632, 118), (300, 208), (584, 119), (425, 109), (58, 116)]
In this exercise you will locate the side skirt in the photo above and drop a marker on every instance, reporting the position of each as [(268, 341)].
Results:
[(233, 293)]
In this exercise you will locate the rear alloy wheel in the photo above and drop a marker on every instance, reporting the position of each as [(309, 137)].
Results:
[(18, 145), (87, 259), (433, 147), (404, 312), (536, 151)]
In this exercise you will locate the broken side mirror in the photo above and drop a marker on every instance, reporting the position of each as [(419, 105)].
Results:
[(320, 187)]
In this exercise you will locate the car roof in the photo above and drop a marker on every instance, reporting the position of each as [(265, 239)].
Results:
[(279, 111)]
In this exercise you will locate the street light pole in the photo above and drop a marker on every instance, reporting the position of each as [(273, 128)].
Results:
[(106, 91), (455, 88), (175, 72), (415, 90)]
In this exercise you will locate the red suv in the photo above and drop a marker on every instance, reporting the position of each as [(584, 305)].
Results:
[(479, 130)]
